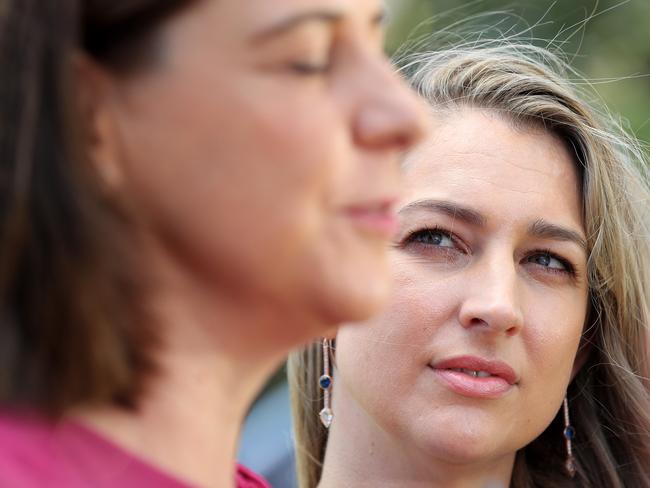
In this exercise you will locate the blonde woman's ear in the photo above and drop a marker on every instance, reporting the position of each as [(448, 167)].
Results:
[(586, 346)]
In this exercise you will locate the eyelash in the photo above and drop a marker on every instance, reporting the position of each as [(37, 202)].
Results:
[(411, 238), (569, 268), (307, 69)]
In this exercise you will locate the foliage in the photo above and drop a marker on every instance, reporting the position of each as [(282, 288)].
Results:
[(607, 41)]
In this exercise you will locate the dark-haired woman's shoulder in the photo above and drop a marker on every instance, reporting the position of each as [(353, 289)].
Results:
[(27, 456), (247, 479), (36, 453)]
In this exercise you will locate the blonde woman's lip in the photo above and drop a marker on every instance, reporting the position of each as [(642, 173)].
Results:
[(475, 377)]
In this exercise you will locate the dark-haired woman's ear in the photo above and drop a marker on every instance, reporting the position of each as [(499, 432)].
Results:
[(94, 96)]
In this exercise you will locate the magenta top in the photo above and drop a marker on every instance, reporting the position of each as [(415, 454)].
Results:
[(34, 453)]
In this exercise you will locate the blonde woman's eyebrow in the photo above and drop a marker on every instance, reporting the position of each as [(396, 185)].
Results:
[(547, 230), (449, 208)]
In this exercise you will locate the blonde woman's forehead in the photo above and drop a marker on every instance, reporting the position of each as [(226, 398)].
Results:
[(477, 157), (468, 134)]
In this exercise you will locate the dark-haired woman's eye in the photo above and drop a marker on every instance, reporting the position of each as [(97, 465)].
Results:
[(309, 69)]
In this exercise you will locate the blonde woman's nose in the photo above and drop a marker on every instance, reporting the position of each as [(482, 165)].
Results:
[(492, 300)]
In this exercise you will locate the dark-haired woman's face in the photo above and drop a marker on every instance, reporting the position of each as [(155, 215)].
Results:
[(262, 150)]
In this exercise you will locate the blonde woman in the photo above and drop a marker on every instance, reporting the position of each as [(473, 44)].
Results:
[(513, 348)]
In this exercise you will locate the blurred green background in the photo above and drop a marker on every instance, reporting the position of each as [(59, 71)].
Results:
[(610, 43)]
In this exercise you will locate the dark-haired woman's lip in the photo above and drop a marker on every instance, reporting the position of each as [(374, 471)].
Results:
[(375, 217)]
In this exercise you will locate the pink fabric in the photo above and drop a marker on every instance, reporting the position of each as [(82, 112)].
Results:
[(34, 453), (247, 479)]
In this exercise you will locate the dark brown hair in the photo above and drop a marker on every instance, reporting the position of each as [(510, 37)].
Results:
[(69, 301)]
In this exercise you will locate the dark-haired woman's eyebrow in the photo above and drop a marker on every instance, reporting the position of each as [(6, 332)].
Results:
[(290, 23), (330, 17)]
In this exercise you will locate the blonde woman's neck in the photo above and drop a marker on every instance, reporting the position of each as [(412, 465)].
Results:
[(361, 454)]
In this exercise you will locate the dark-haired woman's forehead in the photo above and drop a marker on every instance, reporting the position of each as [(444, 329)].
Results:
[(261, 20)]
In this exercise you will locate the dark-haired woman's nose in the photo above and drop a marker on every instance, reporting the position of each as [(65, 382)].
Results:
[(389, 114)]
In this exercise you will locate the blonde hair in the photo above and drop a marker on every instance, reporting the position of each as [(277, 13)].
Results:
[(609, 398)]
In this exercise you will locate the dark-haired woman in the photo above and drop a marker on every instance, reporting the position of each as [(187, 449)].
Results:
[(189, 189)]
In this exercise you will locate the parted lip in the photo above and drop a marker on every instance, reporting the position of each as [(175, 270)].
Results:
[(473, 363)]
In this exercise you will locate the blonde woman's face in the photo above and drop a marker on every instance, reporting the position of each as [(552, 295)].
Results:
[(472, 359), (264, 150)]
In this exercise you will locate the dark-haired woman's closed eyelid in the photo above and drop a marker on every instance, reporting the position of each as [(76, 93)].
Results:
[(308, 45), (309, 67), (308, 60), (298, 65)]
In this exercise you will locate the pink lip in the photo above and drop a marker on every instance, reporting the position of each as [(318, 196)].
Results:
[(378, 217), (502, 379)]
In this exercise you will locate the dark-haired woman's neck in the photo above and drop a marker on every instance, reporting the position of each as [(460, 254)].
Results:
[(188, 424), (210, 371)]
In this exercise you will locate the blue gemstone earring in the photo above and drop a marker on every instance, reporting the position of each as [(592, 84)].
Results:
[(569, 433), (325, 383)]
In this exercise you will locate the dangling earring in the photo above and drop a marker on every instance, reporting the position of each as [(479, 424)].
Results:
[(325, 382), (569, 434)]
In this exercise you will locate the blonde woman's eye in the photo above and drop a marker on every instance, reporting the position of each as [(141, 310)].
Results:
[(432, 237), (551, 262)]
